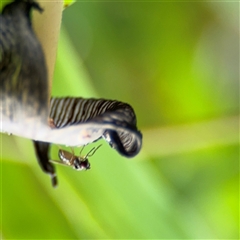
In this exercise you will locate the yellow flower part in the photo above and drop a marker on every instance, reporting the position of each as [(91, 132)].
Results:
[(67, 3)]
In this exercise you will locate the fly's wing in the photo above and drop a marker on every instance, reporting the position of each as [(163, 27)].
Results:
[(66, 157), (59, 162)]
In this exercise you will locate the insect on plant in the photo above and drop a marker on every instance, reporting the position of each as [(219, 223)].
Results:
[(77, 162), (112, 120)]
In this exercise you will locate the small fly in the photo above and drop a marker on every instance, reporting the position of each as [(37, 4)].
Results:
[(77, 162)]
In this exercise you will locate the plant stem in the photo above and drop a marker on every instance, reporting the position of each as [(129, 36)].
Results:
[(47, 27)]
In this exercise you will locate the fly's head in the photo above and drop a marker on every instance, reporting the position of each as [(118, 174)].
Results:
[(81, 164)]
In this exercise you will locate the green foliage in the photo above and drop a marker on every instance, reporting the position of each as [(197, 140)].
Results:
[(3, 3), (177, 64)]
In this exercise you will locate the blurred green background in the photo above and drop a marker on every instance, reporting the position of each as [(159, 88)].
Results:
[(177, 64)]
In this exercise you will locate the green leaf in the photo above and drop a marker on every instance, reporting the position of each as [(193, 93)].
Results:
[(3, 3)]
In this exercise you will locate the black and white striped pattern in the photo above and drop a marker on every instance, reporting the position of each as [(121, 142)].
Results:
[(123, 136), (24, 97)]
